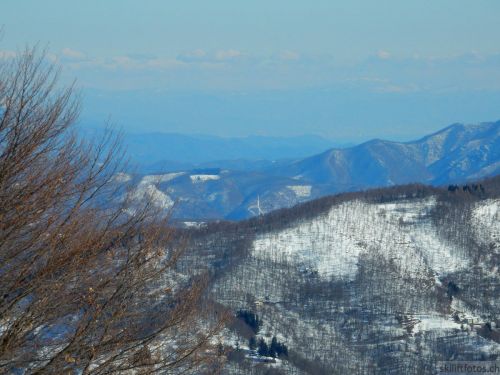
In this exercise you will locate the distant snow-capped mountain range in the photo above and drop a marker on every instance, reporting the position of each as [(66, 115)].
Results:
[(240, 189)]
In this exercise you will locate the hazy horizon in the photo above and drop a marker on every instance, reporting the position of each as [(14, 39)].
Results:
[(347, 71), (277, 114)]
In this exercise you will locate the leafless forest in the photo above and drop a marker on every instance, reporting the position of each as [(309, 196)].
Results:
[(85, 286)]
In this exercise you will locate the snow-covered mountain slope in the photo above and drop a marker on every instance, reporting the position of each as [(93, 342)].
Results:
[(387, 281), (147, 191), (333, 243), (455, 153)]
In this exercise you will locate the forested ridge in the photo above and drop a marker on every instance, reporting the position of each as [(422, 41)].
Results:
[(383, 281)]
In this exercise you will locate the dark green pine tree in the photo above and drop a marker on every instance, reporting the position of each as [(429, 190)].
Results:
[(263, 348), (251, 319), (277, 349), (252, 343), (274, 348)]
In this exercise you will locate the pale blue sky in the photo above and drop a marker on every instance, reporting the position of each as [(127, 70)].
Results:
[(345, 29), (375, 55)]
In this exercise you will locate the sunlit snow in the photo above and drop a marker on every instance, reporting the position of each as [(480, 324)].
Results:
[(159, 178), (301, 191), (198, 178), (331, 244)]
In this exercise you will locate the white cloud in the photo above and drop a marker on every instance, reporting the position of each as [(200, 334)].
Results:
[(125, 62), (227, 54), (128, 62), (203, 57), (384, 55), (164, 63), (73, 54), (193, 56)]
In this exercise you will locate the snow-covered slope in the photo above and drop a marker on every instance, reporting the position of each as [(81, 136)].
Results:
[(332, 244), (486, 220), (455, 153), (147, 191), (388, 283)]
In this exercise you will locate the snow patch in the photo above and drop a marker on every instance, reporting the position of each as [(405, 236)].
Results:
[(157, 197), (199, 178), (159, 178), (435, 322), (486, 220), (301, 191), (121, 177), (193, 224), (147, 191)]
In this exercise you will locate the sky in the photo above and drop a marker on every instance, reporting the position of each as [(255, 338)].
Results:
[(346, 70)]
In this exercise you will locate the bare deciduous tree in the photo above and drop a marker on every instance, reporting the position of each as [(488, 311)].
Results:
[(85, 286)]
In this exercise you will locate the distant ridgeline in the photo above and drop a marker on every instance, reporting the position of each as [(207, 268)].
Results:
[(239, 189)]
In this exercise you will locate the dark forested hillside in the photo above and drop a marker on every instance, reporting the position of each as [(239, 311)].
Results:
[(386, 281)]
